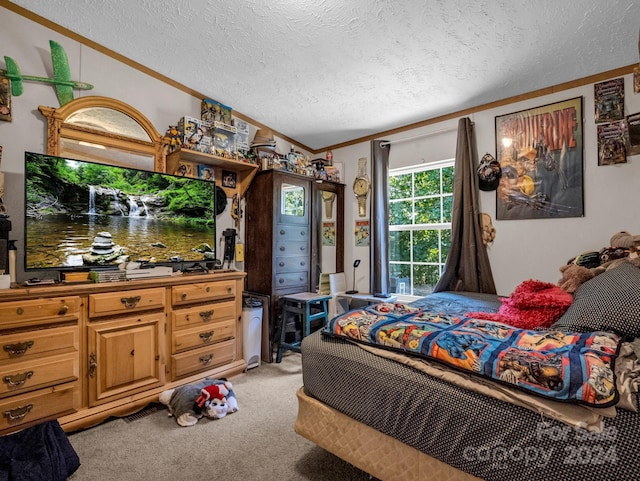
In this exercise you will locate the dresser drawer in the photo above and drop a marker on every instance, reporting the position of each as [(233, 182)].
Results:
[(292, 232), (202, 335), (39, 311), (291, 263), (208, 357), (125, 302), (203, 291), (33, 374), (25, 410), (32, 343), (203, 315), (292, 279), (292, 248)]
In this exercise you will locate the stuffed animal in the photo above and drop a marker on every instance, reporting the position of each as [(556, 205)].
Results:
[(214, 394), (573, 276), (182, 400), (624, 239)]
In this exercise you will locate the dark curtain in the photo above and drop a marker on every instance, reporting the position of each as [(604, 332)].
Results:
[(467, 267), (379, 235)]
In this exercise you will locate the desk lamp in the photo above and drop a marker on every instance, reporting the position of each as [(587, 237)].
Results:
[(356, 263)]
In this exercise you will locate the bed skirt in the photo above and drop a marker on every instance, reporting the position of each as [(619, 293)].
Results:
[(368, 449)]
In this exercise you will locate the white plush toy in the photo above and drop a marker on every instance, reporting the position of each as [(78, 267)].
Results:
[(212, 398)]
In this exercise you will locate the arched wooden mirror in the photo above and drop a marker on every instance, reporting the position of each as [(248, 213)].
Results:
[(105, 130)]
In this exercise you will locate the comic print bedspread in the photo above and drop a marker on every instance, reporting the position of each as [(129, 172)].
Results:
[(570, 367)]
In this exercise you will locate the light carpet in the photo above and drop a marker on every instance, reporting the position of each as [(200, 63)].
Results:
[(257, 443)]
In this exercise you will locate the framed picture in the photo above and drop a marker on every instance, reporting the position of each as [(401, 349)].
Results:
[(5, 99), (228, 179), (540, 152), (338, 170)]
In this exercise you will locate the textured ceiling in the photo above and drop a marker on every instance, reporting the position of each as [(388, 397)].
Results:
[(324, 72)]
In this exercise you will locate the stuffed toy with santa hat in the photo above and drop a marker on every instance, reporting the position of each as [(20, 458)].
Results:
[(211, 398)]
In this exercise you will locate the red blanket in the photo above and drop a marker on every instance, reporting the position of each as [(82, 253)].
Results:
[(532, 304)]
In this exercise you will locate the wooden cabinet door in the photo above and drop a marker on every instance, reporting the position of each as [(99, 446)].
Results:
[(125, 356)]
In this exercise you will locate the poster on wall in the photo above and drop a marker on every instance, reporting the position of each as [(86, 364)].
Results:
[(540, 152), (633, 132), (609, 100), (612, 144), (329, 234), (362, 233)]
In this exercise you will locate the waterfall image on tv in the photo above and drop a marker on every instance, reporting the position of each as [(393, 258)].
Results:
[(82, 214)]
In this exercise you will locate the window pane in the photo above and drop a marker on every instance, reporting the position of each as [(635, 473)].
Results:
[(447, 180), (399, 278), (447, 208), (427, 182), (428, 211), (400, 246), (400, 186), (425, 279), (400, 212), (425, 246)]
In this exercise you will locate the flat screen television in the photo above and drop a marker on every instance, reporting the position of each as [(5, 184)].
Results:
[(83, 215)]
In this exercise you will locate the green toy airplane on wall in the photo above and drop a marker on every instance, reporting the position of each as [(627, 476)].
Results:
[(61, 76)]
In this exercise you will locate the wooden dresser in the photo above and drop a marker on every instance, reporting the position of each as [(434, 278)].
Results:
[(82, 353), (284, 232)]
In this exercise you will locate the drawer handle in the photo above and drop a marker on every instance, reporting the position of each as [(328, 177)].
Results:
[(206, 360), (282, 248), (206, 336), (303, 263), (63, 310), (208, 289), (183, 296), (281, 264), (302, 248), (206, 315), (17, 379), (302, 232), (229, 290), (18, 413), (93, 364), (130, 302), (18, 349), (282, 232), (281, 281)]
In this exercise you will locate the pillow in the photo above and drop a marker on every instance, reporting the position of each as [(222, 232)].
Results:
[(608, 302)]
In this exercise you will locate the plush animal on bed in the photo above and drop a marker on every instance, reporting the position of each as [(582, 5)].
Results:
[(532, 304), (573, 276), (191, 402)]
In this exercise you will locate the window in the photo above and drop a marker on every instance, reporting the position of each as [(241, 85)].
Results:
[(420, 208)]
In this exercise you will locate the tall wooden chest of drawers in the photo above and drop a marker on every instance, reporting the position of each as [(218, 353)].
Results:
[(284, 236)]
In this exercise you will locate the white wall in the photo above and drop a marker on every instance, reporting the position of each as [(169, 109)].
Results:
[(526, 249)]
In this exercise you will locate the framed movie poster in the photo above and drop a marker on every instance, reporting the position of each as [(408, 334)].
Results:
[(540, 151)]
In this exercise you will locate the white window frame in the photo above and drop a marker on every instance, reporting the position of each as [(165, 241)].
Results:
[(413, 169)]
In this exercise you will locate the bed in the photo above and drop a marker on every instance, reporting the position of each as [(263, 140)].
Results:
[(386, 413)]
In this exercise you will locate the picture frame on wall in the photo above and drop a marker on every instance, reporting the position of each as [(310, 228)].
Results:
[(541, 154), (5, 99), (228, 179)]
